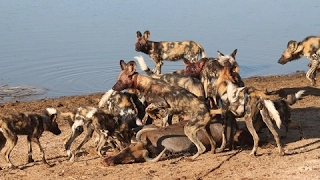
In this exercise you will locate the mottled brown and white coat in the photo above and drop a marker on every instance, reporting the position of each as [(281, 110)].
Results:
[(309, 47), (207, 69), (30, 124), (170, 51), (173, 99)]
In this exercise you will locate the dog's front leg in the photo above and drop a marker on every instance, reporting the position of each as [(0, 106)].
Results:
[(90, 130), (30, 159), (37, 142)]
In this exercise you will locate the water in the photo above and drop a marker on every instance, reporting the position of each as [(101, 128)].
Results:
[(62, 48)]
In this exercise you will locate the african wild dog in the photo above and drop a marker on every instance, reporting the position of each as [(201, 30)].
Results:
[(171, 99), (283, 107), (191, 84), (248, 102), (30, 124), (207, 69), (309, 47), (171, 51), (108, 126)]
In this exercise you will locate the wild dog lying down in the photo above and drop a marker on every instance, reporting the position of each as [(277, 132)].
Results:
[(171, 51), (282, 106), (207, 69), (105, 124), (155, 141), (249, 103), (309, 47), (172, 99), (30, 124)]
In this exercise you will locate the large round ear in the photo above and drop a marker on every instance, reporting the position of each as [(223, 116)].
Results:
[(122, 64), (233, 54), (139, 35), (292, 45), (146, 35), (220, 54), (131, 67)]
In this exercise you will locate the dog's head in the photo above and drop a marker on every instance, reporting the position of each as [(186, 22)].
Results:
[(125, 79), (52, 124), (228, 58), (142, 42), (193, 69), (292, 52)]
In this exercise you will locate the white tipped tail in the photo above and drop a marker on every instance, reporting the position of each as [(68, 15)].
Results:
[(274, 114), (142, 63), (51, 111), (105, 98), (299, 94)]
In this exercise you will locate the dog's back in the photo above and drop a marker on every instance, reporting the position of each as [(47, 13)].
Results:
[(23, 123)]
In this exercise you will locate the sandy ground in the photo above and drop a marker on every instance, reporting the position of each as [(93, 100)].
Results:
[(300, 162)]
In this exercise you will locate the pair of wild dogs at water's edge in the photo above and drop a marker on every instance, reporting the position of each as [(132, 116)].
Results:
[(30, 124), (170, 51), (309, 47), (173, 99)]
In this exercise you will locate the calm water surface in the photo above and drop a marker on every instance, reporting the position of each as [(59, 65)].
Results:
[(61, 48)]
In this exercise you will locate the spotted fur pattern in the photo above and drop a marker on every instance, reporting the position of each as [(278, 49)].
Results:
[(207, 69), (173, 99), (170, 51), (30, 124), (309, 47)]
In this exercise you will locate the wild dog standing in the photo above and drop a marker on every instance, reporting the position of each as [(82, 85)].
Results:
[(171, 51), (30, 124), (249, 103), (282, 106), (207, 69), (173, 99), (191, 84), (309, 47)]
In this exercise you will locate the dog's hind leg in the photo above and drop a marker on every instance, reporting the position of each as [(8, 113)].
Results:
[(266, 119), (191, 133), (191, 128), (311, 74), (12, 140)]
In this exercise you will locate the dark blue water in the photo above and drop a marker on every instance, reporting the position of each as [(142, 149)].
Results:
[(62, 48)]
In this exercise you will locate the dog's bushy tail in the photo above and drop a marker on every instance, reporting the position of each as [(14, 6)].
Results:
[(201, 51), (144, 67), (274, 114), (293, 98), (105, 98)]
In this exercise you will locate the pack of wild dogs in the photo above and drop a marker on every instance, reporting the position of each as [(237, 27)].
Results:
[(198, 107)]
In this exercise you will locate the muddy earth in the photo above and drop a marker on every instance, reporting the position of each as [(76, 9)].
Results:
[(301, 160)]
